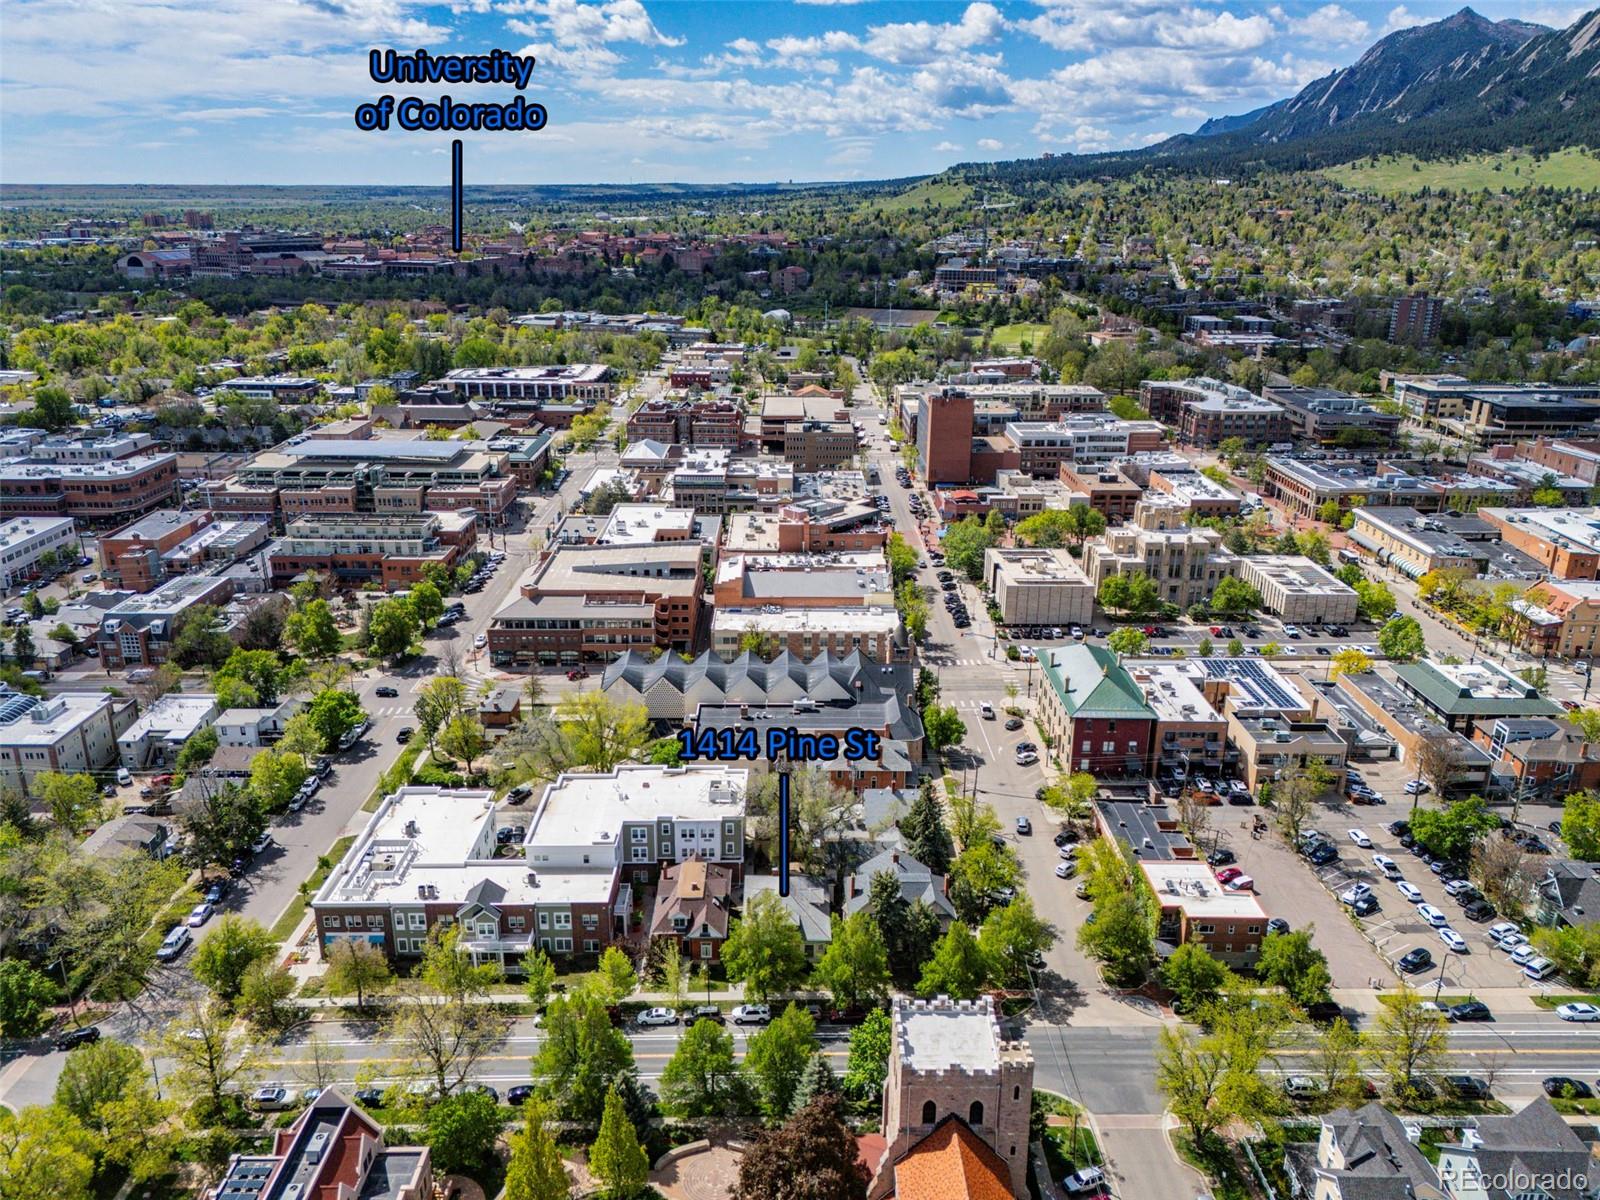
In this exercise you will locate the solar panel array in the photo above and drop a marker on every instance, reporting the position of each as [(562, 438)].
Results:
[(1256, 677)]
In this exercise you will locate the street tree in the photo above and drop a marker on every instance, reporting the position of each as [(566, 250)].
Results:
[(1349, 661), (461, 1132), (1294, 800), (219, 822), (616, 1159), (538, 977), (1128, 641), (441, 700), (982, 873), (263, 998), (943, 727), (1122, 937), (275, 778), (1505, 872), (1401, 640), (96, 1074), (204, 1061), (1011, 939), (322, 1064), (441, 1041), (700, 1079), (1234, 597), (868, 1063), (855, 968), (464, 740), (1408, 1042), (958, 968), (198, 639), (448, 969), (105, 937), (356, 966), (227, 951), (617, 975), (391, 629), (764, 949), (1580, 823), (776, 1057), (1335, 1062), (1192, 1072), (334, 713), (26, 994), (1451, 832), (1193, 977), (45, 1151), (581, 1056), (427, 605), (1290, 961), (812, 1156)]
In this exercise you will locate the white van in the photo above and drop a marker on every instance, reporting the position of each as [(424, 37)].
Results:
[(174, 943), (1539, 968), (124, 777), (986, 710)]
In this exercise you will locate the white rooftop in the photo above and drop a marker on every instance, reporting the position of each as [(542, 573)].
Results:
[(945, 1034), (1192, 887), (26, 722), (1171, 691), (590, 809), (806, 620)]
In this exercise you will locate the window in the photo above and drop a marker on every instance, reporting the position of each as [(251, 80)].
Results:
[(516, 923), (1205, 928), (705, 950), (1252, 929), (929, 1112), (641, 854), (487, 929), (590, 945), (563, 920), (1231, 929), (330, 922), (590, 921), (564, 944), (352, 922), (418, 921), (1016, 1094), (975, 1113), (638, 833), (666, 829), (1108, 747), (374, 922), (544, 920)]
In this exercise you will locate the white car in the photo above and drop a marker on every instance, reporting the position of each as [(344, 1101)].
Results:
[(1511, 941), (1354, 894), (1579, 1012), (479, 642), (1387, 865), (1241, 883), (1409, 890), (752, 1014), (261, 843), (1453, 939), (1291, 630), (1432, 916), (1524, 954), (1360, 838), (271, 1099), (1065, 870), (658, 1016), (1026, 758), (1500, 929), (1085, 1180), (198, 915), (1416, 787)]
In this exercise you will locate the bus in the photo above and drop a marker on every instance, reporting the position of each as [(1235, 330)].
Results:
[(1348, 555)]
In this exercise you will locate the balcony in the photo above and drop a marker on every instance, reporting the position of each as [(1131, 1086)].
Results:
[(516, 943)]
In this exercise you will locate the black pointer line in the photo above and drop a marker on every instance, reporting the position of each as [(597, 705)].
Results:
[(783, 833), (455, 195)]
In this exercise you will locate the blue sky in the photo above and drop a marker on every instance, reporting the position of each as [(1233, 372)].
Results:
[(262, 91)]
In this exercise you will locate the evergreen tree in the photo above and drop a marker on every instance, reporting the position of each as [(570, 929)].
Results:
[(923, 831), (617, 1159), (816, 1080)]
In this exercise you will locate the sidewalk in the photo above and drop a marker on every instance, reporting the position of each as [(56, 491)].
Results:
[(1365, 1002)]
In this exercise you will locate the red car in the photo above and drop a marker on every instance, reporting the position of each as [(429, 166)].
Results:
[(1228, 874), (1150, 631), (578, 673)]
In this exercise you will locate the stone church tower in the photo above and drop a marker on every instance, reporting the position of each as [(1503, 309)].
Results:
[(949, 1058)]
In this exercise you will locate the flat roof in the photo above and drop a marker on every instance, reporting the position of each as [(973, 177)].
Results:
[(1192, 887), (1570, 528), (945, 1035), (584, 808), (805, 620), (21, 529), (1171, 691), (1254, 684), (1136, 822), (1297, 574), (28, 721), (1038, 566), (570, 373)]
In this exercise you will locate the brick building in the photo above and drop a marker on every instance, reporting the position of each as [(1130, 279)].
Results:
[(355, 550), (1094, 712)]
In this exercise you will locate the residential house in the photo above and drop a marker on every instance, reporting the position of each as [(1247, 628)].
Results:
[(693, 900)]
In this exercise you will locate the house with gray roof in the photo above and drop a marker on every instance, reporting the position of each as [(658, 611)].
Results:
[(1364, 1154), (917, 882), (1569, 893), (806, 904)]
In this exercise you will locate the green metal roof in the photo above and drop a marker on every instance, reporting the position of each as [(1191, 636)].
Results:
[(1090, 682), (1435, 689)]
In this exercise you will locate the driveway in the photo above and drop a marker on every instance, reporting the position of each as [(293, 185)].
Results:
[(1142, 1162)]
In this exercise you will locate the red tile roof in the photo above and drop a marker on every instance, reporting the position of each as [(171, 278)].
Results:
[(952, 1163)]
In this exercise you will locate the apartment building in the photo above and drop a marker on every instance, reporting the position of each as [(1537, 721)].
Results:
[(843, 579), (588, 603), (433, 856), (381, 476), (1565, 541), (72, 733), (1194, 907), (1190, 735), (636, 525), (1272, 749), (1415, 319), (391, 551), (1503, 463), (1564, 456), (1433, 399), (884, 712), (1206, 412), (807, 632), (1187, 564), (1304, 487), (1200, 495), (1329, 417), (779, 412), (1094, 713), (98, 494), (24, 542), (1038, 587), (138, 631), (1543, 757), (280, 389), (132, 557), (1415, 544), (1298, 590), (585, 383), (160, 733)]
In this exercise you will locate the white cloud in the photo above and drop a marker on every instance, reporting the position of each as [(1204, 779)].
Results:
[(991, 144), (1400, 18), (572, 21), (1075, 27), (574, 58), (1331, 24), (947, 148), (917, 42)]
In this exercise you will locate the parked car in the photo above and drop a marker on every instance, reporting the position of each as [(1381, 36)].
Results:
[(1416, 787), (175, 943), (1454, 940), (1277, 925), (1360, 838), (1066, 870), (1013, 724), (1564, 1087), (705, 1012), (1086, 1180), (1470, 1010), (1477, 910), (1409, 890), (1365, 906), (1414, 960), (199, 915), (1467, 1087), (519, 1095), (1433, 916), (1356, 891), (1302, 1086), (1229, 873), (751, 1014), (270, 1099), (77, 1037), (1221, 857), (1567, 1012)]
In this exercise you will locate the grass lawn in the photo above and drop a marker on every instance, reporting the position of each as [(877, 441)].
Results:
[(1010, 337), (1217, 1164), (285, 924), (1577, 1106), (1066, 1148), (1573, 168), (939, 193), (396, 776), (1557, 1001)]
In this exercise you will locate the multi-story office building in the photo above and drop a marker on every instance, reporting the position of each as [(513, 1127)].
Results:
[(1207, 412), (819, 445), (432, 856), (1566, 541), (355, 550), (591, 603), (808, 632), (1186, 564), (1433, 399), (169, 541), (712, 481), (1104, 489), (281, 389), (72, 733), (1328, 416), (388, 477), (1190, 735), (1038, 587), (1304, 487), (841, 579), (587, 383), (1298, 590), (1094, 712), (1272, 749), (711, 423), (944, 436), (1086, 441), (1416, 543), (24, 541), (97, 494)]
